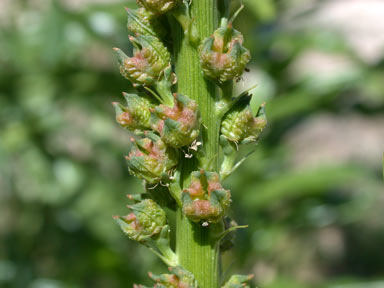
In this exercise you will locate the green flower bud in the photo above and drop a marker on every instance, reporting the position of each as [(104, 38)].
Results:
[(136, 115), (143, 22), (205, 199), (150, 58), (157, 6), (150, 159), (222, 56), (240, 126), (146, 220), (178, 125), (238, 281)]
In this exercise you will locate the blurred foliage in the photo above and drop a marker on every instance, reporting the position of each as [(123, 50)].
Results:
[(62, 174)]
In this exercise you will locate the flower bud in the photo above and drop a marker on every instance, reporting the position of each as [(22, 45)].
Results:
[(178, 125), (238, 281), (157, 6), (180, 278), (205, 199), (150, 58), (141, 21), (240, 126), (136, 115), (222, 56), (146, 220), (150, 158)]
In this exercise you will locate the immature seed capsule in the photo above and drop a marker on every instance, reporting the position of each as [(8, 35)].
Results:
[(146, 220), (178, 125), (222, 56), (150, 158), (136, 115), (157, 6), (150, 59), (240, 126), (205, 199)]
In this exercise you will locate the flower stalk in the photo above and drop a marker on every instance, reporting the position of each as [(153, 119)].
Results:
[(188, 128)]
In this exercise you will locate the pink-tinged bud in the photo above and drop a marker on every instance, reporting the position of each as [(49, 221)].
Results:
[(205, 199), (150, 158), (180, 278), (238, 281), (136, 115), (222, 56), (150, 58), (146, 220), (157, 6), (240, 126), (178, 125)]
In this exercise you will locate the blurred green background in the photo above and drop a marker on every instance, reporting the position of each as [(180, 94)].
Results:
[(312, 193)]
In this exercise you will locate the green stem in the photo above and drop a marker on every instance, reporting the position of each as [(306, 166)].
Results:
[(196, 246)]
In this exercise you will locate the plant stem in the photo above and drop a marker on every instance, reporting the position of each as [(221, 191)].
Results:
[(196, 247)]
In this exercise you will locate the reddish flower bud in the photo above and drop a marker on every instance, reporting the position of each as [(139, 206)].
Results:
[(136, 115), (146, 220), (205, 199), (150, 158), (222, 56), (178, 125), (150, 58), (180, 278)]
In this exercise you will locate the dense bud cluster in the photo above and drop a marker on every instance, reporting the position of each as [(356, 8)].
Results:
[(240, 126), (150, 58), (178, 125), (136, 115), (146, 220), (222, 56), (205, 199), (157, 6), (150, 159), (180, 278)]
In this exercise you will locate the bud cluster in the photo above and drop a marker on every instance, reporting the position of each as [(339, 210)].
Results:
[(205, 199), (136, 115), (240, 126), (146, 220), (222, 55), (178, 125), (150, 159)]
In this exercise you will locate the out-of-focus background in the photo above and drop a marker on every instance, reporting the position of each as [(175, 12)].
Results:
[(312, 193)]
